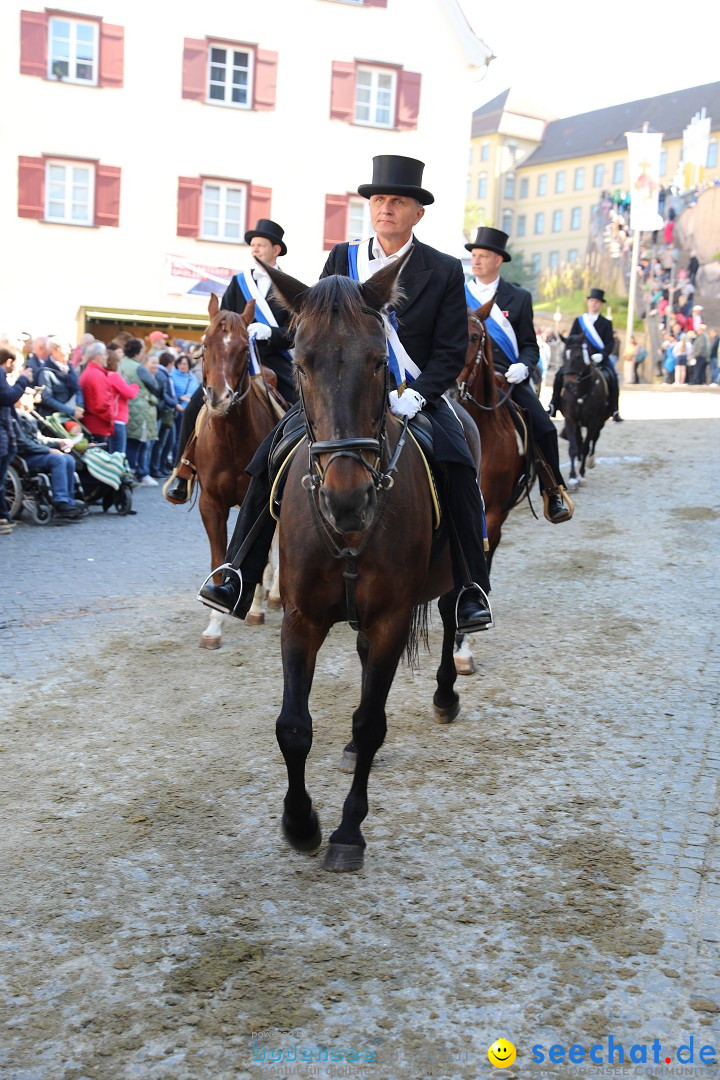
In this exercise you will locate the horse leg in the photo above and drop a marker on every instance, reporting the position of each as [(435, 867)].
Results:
[(446, 703), (273, 600), (300, 644), (572, 452), (215, 523), (464, 660), (256, 615), (212, 634), (347, 844), (348, 761)]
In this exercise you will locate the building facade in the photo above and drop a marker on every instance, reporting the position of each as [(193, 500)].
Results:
[(134, 169)]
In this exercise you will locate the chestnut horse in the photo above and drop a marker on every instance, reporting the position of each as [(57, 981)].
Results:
[(356, 540), (232, 427)]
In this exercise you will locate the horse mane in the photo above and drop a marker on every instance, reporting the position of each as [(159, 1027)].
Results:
[(323, 301)]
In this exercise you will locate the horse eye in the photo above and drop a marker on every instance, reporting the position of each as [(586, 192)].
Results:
[(380, 364)]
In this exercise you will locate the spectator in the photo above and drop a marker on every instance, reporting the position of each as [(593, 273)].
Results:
[(37, 356), (158, 342), (59, 382), (45, 454), (167, 411), (123, 392), (185, 384), (699, 357), (138, 368), (97, 392), (680, 355), (714, 367), (78, 355), (9, 394)]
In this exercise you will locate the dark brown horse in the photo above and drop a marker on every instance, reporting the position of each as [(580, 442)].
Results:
[(584, 404), (232, 427), (356, 540)]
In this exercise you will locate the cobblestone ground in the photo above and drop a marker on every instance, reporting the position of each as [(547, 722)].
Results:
[(544, 870)]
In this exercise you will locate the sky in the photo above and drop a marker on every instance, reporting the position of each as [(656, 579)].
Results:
[(569, 56)]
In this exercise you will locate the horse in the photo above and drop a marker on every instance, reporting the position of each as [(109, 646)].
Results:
[(584, 404), (230, 429), (357, 542)]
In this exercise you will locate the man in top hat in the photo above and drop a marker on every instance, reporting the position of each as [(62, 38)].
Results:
[(428, 339), (599, 335), (269, 332), (516, 354)]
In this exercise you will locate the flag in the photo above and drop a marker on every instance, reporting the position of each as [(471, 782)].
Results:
[(644, 154)]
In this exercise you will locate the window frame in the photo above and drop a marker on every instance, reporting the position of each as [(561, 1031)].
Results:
[(356, 203), (712, 153), (507, 222), (72, 56), (618, 166), (539, 221), (524, 187), (376, 70), (541, 185), (598, 169), (66, 163), (485, 151), (225, 186), (482, 179), (521, 225), (576, 210), (231, 47), (573, 256), (554, 260), (560, 182), (579, 178), (556, 225)]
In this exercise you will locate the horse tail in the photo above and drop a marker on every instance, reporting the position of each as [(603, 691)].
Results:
[(418, 633)]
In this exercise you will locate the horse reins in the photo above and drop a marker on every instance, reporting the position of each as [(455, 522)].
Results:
[(465, 394), (235, 396)]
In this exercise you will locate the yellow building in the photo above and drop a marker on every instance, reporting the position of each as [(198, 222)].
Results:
[(540, 179)]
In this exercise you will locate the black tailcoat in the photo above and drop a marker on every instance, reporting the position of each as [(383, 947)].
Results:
[(604, 329), (271, 350)]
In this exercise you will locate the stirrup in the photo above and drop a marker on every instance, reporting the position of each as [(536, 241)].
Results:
[(209, 603), (560, 490), (466, 588)]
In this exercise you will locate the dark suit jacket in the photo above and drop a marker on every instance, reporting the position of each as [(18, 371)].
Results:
[(432, 317), (517, 304), (271, 350), (604, 329)]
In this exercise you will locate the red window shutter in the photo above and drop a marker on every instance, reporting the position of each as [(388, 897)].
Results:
[(259, 202), (188, 215), (112, 52), (266, 64), (375, 3), (107, 195), (342, 96), (33, 43), (194, 77), (31, 187), (336, 214), (408, 105)]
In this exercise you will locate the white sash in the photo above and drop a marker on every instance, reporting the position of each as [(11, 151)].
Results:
[(260, 301), (405, 362), (591, 333), (502, 321)]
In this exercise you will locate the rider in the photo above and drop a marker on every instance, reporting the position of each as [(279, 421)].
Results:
[(598, 332), (432, 327), (270, 331), (516, 354)]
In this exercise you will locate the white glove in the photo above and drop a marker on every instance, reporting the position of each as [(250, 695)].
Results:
[(517, 373), (406, 404), (260, 330), (597, 357)]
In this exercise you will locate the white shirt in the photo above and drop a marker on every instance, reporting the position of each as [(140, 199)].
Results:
[(262, 280), (486, 291), (380, 259), (592, 319)]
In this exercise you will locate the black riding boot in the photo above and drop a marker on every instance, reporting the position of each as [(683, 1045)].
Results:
[(554, 406), (464, 506), (229, 597), (558, 506), (614, 399), (177, 488)]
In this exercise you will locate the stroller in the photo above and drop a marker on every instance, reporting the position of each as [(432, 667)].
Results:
[(103, 479)]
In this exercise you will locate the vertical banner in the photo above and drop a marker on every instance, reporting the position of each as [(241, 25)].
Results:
[(696, 140), (644, 153)]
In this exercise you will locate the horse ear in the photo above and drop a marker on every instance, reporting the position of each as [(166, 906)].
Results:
[(248, 314), (288, 290), (382, 288), (213, 306), (484, 310)]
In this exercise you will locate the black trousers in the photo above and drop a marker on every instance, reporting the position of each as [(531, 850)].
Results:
[(543, 429), (189, 420)]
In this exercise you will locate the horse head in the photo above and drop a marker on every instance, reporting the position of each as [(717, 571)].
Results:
[(577, 357), (225, 355), (341, 364), (477, 378)]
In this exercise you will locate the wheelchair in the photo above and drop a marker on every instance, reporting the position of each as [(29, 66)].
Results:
[(28, 492)]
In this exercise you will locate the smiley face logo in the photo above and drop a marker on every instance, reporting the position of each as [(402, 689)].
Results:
[(502, 1053)]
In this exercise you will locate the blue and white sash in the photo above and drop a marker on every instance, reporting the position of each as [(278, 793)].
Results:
[(263, 314), (497, 325), (591, 334), (404, 369)]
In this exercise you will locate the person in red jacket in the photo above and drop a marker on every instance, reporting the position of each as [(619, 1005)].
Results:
[(97, 392), (123, 391)]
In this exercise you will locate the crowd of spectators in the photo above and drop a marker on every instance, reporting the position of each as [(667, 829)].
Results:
[(128, 395)]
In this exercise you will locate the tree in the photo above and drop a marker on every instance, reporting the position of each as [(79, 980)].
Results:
[(520, 271)]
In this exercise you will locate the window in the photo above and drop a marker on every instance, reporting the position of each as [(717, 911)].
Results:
[(521, 225), (359, 223), (575, 216), (510, 186), (554, 260), (223, 212), (712, 154), (557, 221), (542, 184), (66, 191), (598, 175), (84, 51), (507, 220), (560, 182), (573, 256), (482, 186), (618, 172), (662, 167), (73, 51), (579, 182), (230, 76), (536, 262), (485, 152), (470, 156), (524, 184), (539, 223), (69, 192), (375, 97)]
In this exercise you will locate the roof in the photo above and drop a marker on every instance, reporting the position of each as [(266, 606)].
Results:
[(603, 130), (486, 120)]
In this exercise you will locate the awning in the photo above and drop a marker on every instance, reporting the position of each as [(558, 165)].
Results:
[(168, 319)]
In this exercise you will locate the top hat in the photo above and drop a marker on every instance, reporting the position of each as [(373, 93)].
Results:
[(596, 294), (393, 175), (491, 240), (270, 230)]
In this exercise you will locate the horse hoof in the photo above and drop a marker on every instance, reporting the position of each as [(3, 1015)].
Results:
[(464, 665), (274, 603), (573, 482), (582, 481), (446, 715), (210, 642), (255, 618), (343, 858), (309, 839), (590, 462)]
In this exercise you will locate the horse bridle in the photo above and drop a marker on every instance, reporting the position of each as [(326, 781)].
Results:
[(464, 393), (235, 395)]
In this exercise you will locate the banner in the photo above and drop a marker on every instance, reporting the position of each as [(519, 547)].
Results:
[(186, 278), (696, 140), (644, 155)]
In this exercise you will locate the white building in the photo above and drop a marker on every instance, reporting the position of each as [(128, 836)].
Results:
[(146, 138)]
